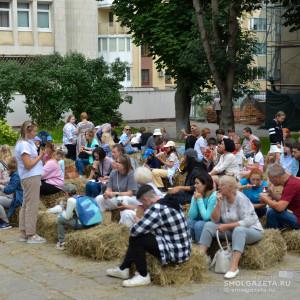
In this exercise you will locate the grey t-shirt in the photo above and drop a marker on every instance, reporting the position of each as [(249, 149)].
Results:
[(122, 183)]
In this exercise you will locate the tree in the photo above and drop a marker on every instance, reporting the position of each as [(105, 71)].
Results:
[(55, 84), (291, 14), (9, 73), (168, 29)]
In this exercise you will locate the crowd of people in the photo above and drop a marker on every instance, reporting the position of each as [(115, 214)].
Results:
[(229, 185)]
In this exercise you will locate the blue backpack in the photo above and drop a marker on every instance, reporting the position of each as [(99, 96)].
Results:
[(88, 211)]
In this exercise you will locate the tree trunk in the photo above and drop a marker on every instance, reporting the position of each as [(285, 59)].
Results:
[(227, 115), (183, 101)]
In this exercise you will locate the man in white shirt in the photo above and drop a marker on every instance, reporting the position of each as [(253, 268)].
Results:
[(201, 143), (248, 138)]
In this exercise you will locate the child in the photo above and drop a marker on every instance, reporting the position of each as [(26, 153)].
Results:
[(13, 187), (37, 141), (59, 156)]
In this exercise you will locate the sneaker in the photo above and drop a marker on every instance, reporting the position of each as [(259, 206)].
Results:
[(23, 239), (60, 245), (231, 275), (36, 239), (137, 280), (4, 225), (118, 273)]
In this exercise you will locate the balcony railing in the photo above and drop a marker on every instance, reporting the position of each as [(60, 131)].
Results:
[(104, 3)]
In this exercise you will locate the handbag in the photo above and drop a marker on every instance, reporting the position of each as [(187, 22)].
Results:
[(222, 259)]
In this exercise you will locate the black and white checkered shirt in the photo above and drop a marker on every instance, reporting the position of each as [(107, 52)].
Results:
[(170, 230)]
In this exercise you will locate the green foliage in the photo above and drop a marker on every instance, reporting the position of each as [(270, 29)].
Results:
[(7, 134), (55, 84), (9, 74)]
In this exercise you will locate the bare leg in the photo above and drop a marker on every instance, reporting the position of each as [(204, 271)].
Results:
[(236, 256)]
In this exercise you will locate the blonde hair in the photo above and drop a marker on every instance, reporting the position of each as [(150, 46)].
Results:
[(142, 175), (27, 127), (107, 139), (5, 153), (229, 181)]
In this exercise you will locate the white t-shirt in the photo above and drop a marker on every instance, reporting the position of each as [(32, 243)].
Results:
[(27, 147), (200, 143), (259, 159)]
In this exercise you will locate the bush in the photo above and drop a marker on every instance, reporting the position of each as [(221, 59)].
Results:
[(7, 134)]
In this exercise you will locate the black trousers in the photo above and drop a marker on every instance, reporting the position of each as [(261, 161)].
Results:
[(71, 151), (136, 252), (48, 189)]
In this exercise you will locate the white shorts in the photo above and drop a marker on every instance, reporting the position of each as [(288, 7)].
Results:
[(275, 149)]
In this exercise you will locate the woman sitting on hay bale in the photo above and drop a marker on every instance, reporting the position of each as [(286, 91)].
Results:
[(284, 213), (120, 191), (100, 172), (192, 167), (252, 187), (52, 177), (162, 232), (202, 205), (235, 215)]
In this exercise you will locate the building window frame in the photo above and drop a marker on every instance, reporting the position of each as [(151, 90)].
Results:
[(40, 10), (9, 16), (111, 18), (260, 27), (261, 49), (28, 10), (145, 82)]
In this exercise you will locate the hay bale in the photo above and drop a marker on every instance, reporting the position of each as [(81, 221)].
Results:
[(80, 184), (292, 239), (14, 219), (267, 252), (51, 200), (46, 226), (180, 274), (70, 169), (102, 242)]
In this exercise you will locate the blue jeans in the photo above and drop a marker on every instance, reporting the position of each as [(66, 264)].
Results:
[(80, 164), (282, 219), (93, 189), (195, 227)]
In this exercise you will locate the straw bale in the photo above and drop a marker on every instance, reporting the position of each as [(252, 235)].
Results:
[(190, 271), (80, 184), (52, 200), (267, 252), (46, 226), (292, 239), (102, 242)]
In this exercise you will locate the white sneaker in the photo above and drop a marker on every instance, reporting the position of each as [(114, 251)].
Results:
[(137, 280), (231, 275), (35, 239), (118, 273)]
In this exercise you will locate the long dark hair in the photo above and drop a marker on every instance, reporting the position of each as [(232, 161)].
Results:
[(206, 180)]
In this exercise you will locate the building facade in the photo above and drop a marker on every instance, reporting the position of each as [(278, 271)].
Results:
[(40, 27)]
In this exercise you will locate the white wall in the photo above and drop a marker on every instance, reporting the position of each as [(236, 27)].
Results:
[(19, 115), (148, 105)]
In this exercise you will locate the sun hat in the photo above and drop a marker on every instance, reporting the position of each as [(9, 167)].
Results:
[(169, 144), (157, 131)]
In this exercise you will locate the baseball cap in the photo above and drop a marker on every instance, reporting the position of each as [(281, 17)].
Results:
[(49, 138), (148, 153), (37, 139)]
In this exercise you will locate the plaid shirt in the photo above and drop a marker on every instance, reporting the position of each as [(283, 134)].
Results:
[(170, 230)]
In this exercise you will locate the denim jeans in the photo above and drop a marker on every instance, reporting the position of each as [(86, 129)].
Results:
[(93, 189), (80, 164), (62, 222), (195, 227), (282, 219)]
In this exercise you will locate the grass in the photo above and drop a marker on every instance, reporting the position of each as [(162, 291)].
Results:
[(56, 133)]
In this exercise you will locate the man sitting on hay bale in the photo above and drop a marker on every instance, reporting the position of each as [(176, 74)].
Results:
[(285, 212), (162, 232)]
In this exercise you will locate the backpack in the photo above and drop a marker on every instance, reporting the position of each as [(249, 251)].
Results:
[(43, 136), (88, 211)]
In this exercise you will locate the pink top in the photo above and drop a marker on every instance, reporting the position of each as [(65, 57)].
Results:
[(52, 173)]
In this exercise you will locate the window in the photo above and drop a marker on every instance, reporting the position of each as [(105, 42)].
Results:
[(261, 49), (258, 24), (23, 15), (112, 45), (43, 18), (128, 74), (145, 77), (4, 15), (168, 78), (258, 73), (122, 44), (128, 44), (104, 44), (111, 18), (145, 50)]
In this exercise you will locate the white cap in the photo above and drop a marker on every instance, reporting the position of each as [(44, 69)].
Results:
[(157, 132)]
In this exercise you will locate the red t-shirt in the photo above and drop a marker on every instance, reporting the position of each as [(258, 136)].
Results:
[(291, 194)]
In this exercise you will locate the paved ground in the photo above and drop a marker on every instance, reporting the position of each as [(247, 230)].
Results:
[(171, 127), (38, 272)]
